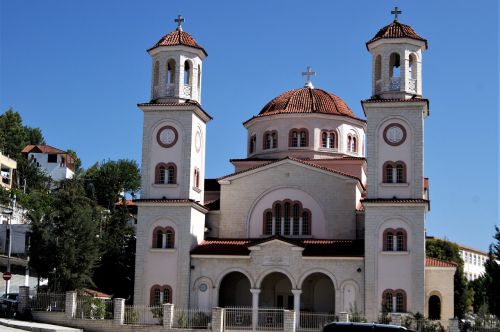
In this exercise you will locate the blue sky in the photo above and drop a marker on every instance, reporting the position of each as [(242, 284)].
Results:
[(77, 69)]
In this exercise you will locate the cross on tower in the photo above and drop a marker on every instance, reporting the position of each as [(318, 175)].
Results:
[(395, 12), (309, 73), (179, 20)]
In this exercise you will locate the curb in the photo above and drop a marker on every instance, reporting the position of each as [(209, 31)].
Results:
[(26, 326)]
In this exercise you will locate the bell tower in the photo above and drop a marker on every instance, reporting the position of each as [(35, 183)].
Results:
[(171, 214), (396, 202)]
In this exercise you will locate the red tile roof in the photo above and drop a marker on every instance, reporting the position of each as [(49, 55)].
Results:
[(312, 247), (305, 162), (168, 201), (396, 30), (178, 37), (213, 205), (434, 262), (306, 100), (42, 149)]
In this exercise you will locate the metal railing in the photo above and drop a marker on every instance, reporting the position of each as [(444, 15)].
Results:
[(395, 84), (314, 321), (94, 308), (48, 302), (270, 319), (191, 318), (143, 315), (238, 318)]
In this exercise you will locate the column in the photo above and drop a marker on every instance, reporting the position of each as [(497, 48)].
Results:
[(453, 327), (217, 319), (282, 226), (296, 305), (168, 315), (300, 225), (255, 307), (343, 317), (118, 311), (395, 319), (24, 299), (274, 226), (70, 305), (289, 321)]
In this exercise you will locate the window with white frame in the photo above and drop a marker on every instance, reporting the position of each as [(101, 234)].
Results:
[(287, 218)]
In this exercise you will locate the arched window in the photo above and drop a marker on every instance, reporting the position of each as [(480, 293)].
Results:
[(378, 67), (303, 138), (199, 78), (413, 66), (171, 71), (394, 300), (268, 141), (294, 138), (287, 218), (332, 140), (252, 143), (298, 138), (160, 295), (434, 307), (328, 139), (156, 73), (395, 240), (352, 143), (324, 139), (394, 172), (306, 223), (196, 179), (163, 238), (187, 73), (394, 65), (268, 223), (165, 173), (287, 211), (274, 137)]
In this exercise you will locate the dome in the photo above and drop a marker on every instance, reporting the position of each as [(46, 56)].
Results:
[(307, 100), (178, 37), (396, 30)]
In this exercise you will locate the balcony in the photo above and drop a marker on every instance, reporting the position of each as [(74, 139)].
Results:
[(186, 90), (395, 84), (412, 85)]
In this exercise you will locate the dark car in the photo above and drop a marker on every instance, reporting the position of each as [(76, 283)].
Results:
[(363, 327), (8, 304)]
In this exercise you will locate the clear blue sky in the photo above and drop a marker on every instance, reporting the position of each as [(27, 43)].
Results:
[(77, 69)]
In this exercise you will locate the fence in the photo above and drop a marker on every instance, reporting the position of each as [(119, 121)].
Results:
[(48, 302), (238, 318), (314, 321), (143, 315), (485, 326), (270, 319), (94, 308), (191, 318)]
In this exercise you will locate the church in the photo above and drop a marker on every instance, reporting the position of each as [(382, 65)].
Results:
[(326, 213)]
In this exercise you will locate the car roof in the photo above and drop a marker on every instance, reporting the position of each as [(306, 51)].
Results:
[(343, 326)]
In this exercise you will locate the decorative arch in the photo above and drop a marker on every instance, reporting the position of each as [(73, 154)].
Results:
[(413, 66), (263, 275), (156, 73), (378, 67), (188, 72), (170, 78), (394, 65), (298, 138), (203, 296), (318, 270), (160, 294), (234, 269), (343, 286)]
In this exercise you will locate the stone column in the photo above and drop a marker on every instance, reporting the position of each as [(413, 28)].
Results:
[(24, 299), (118, 311), (255, 306), (395, 319), (289, 322), (453, 327), (344, 317), (168, 315), (296, 304), (217, 319), (70, 305)]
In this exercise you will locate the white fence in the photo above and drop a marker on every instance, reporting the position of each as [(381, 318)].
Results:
[(143, 315), (48, 302), (238, 318), (270, 319), (314, 321), (191, 318), (94, 308)]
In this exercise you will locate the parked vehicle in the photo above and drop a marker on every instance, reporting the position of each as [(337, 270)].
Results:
[(8, 304), (363, 327)]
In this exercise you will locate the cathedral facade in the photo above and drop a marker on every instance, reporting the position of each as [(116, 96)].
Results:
[(325, 214)]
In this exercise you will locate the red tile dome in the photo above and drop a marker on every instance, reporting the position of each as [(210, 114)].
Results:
[(396, 30), (178, 37), (307, 100)]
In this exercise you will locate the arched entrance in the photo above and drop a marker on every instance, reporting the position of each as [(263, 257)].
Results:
[(434, 307), (234, 291), (318, 294), (276, 291)]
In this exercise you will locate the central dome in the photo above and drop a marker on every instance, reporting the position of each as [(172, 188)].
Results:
[(307, 100)]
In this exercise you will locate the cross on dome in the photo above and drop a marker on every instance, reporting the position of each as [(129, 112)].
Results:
[(309, 73), (395, 12), (179, 20)]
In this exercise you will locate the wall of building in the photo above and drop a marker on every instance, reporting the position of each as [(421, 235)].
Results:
[(439, 281), (57, 170)]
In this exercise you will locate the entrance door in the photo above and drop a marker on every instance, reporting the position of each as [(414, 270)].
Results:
[(284, 301)]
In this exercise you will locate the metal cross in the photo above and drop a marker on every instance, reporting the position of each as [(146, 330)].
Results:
[(395, 12), (179, 20), (308, 73)]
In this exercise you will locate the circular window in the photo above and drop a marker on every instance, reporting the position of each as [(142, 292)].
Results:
[(197, 141), (394, 134), (167, 136), (203, 287)]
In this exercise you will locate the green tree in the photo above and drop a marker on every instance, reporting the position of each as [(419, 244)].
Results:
[(449, 251), (478, 289), (492, 275), (64, 232), (115, 271), (14, 136), (108, 181), (77, 161)]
